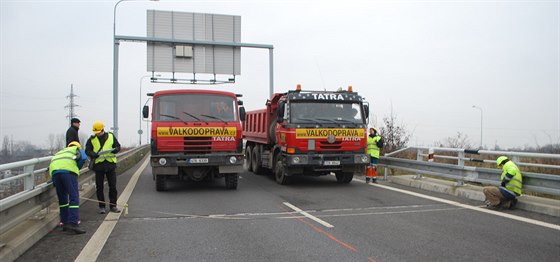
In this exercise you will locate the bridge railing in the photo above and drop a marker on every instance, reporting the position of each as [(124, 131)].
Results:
[(34, 197), (540, 182)]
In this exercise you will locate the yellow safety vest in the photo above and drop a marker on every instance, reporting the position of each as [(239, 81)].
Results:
[(65, 159), (516, 182), (110, 157), (373, 149)]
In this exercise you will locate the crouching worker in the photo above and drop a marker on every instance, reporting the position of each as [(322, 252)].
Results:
[(64, 170), (505, 195)]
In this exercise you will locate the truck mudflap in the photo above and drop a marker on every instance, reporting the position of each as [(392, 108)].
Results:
[(169, 164), (327, 162)]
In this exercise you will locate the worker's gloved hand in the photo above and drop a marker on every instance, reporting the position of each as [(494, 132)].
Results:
[(503, 183), (115, 151)]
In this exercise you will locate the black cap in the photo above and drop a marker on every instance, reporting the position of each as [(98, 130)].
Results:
[(75, 120)]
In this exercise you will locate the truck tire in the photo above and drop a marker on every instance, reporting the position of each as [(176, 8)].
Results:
[(344, 177), (231, 180), (280, 173), (255, 162), (160, 183), (249, 158)]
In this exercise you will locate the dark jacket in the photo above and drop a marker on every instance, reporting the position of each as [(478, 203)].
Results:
[(72, 135), (105, 165)]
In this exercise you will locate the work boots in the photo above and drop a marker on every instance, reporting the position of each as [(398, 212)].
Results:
[(73, 229)]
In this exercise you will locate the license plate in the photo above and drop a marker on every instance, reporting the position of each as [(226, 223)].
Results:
[(198, 160), (331, 163)]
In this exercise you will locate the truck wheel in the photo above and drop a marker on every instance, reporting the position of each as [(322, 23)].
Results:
[(231, 180), (249, 158), (255, 163), (160, 183), (344, 177), (280, 174)]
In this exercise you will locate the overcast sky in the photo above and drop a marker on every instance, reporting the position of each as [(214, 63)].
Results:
[(430, 61)]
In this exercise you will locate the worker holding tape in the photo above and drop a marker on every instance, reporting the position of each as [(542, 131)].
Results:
[(511, 183), (64, 170), (102, 147)]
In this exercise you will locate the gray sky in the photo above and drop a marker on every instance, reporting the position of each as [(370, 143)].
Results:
[(429, 61)]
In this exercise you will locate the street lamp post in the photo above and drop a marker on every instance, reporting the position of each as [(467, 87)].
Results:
[(116, 71), (479, 108), (140, 106)]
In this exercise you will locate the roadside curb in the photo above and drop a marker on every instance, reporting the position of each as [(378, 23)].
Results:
[(529, 203)]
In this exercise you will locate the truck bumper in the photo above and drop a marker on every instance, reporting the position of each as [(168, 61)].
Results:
[(169, 164), (298, 163)]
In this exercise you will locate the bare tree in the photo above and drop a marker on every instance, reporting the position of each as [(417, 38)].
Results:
[(394, 134), (5, 147), (459, 141), (60, 141), (51, 143)]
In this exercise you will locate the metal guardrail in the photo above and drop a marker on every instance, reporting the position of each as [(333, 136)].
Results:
[(532, 182), (34, 198)]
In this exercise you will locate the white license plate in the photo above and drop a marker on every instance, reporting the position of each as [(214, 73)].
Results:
[(331, 163), (198, 160)]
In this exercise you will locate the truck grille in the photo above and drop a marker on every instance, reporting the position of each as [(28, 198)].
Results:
[(329, 146), (198, 145)]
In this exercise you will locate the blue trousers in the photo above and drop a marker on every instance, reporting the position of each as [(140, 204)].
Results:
[(66, 185)]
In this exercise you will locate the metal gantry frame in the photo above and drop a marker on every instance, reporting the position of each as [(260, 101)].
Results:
[(118, 38)]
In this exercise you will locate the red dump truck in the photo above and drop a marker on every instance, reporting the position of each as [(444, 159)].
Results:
[(196, 135), (308, 133)]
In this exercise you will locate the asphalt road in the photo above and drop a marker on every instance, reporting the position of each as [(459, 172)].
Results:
[(342, 222)]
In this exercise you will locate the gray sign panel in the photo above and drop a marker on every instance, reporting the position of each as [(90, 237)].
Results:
[(199, 59)]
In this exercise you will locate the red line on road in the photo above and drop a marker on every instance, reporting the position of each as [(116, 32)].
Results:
[(340, 242)]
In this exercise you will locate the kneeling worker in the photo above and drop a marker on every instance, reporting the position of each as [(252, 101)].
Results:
[(64, 170), (505, 195)]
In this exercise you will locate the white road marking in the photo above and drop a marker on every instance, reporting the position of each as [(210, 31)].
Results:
[(95, 244), (475, 208), (308, 215)]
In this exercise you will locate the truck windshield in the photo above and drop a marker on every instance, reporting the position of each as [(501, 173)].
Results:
[(305, 112), (194, 108)]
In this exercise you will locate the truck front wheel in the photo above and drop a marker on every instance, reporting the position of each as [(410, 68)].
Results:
[(249, 158), (231, 180), (160, 183), (280, 173), (344, 177)]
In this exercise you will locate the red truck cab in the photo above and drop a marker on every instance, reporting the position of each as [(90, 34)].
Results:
[(196, 135)]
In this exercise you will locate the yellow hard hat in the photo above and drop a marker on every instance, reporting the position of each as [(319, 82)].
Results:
[(75, 143), (98, 127), (500, 160)]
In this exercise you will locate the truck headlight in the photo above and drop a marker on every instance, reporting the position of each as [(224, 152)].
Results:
[(295, 160), (232, 159), (162, 161), (361, 159), (365, 159)]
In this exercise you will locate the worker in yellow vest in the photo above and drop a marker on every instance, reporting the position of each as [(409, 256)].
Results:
[(374, 145), (64, 170), (102, 148), (511, 179)]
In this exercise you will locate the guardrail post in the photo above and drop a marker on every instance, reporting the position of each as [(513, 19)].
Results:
[(418, 158), (29, 181), (461, 158), (460, 163)]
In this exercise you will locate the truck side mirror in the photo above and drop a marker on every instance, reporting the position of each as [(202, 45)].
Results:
[(145, 111), (239, 102), (242, 113), (366, 110)]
